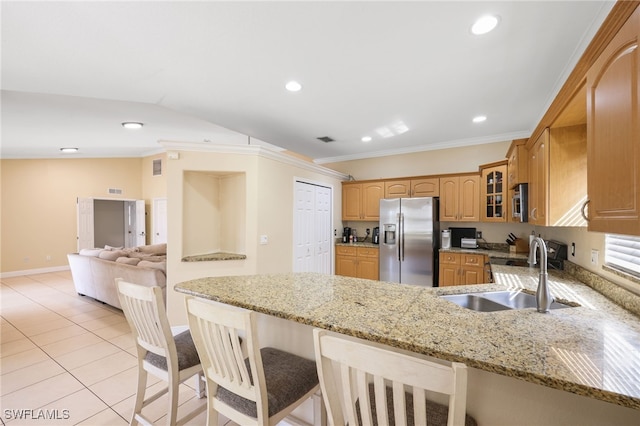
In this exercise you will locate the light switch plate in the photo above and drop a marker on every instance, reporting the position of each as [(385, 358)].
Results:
[(264, 239)]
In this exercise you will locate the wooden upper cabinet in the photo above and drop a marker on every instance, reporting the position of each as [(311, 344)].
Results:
[(494, 193), (538, 179), (517, 163), (613, 137), (372, 193), (361, 201), (460, 198), (427, 187), (351, 201), (424, 187)]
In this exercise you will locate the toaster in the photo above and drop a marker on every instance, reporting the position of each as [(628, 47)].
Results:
[(468, 243)]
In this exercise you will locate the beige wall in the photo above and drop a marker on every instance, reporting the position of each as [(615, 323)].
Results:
[(442, 161), (39, 205), (38, 209), (153, 187), (269, 211)]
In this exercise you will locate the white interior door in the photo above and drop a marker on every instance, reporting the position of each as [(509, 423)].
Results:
[(140, 224), (159, 231), (85, 237), (312, 228)]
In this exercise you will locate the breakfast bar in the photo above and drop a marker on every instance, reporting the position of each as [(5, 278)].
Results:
[(592, 350)]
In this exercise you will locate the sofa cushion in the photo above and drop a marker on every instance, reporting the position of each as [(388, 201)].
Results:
[(154, 249), (128, 260), (108, 247), (95, 252), (155, 265), (111, 255)]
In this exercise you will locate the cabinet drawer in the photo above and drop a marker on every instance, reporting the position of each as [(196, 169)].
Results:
[(346, 251), (448, 258), (367, 252), (472, 259)]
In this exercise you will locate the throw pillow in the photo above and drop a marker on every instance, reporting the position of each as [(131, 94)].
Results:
[(154, 249), (111, 255), (128, 260), (95, 252)]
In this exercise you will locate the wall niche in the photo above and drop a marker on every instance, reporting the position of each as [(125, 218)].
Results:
[(214, 216)]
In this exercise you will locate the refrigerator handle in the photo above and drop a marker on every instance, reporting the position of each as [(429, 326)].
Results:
[(398, 236), (401, 245)]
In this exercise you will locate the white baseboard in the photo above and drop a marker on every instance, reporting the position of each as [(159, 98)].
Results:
[(33, 271)]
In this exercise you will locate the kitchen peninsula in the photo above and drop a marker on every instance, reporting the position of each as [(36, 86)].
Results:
[(592, 350)]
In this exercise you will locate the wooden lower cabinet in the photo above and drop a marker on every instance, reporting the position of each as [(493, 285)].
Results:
[(462, 269), (357, 262)]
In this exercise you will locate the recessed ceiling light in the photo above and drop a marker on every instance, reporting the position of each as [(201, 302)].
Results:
[(479, 119), (484, 24), (68, 150), (366, 139), (132, 125), (293, 86)]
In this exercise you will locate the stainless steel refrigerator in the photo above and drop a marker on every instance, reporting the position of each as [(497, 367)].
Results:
[(409, 241)]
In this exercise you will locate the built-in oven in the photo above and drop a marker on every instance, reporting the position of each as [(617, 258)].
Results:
[(519, 203)]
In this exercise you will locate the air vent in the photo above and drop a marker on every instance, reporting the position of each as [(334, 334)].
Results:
[(157, 167), (115, 191), (325, 139)]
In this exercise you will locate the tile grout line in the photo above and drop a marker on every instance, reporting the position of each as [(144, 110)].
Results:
[(53, 359)]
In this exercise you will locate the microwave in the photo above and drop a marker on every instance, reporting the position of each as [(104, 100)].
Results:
[(519, 203)]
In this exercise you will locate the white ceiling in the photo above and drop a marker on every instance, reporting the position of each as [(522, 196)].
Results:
[(73, 71)]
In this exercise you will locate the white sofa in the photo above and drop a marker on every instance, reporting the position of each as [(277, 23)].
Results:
[(94, 271)]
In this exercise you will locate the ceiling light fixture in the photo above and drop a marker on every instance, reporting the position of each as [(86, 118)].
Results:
[(293, 86), (479, 119), (132, 125), (484, 24), (68, 150), (366, 139)]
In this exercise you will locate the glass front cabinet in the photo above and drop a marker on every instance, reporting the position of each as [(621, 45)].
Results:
[(494, 192)]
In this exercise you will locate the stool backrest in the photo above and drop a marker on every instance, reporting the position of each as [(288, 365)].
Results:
[(144, 309), (350, 370), (216, 330)]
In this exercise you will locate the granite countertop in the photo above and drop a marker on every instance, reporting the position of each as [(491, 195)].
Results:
[(214, 257), (591, 350)]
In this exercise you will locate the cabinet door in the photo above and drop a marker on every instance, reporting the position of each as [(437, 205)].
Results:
[(346, 266), (613, 135), (469, 204), (449, 199), (472, 276), (449, 270), (539, 180), (351, 201), (397, 189), (448, 275), (372, 193), (367, 268), (429, 187), (494, 196)]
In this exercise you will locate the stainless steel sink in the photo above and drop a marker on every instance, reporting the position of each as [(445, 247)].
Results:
[(497, 301)]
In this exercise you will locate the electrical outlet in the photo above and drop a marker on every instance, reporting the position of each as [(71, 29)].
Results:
[(479, 235), (594, 256), (573, 249)]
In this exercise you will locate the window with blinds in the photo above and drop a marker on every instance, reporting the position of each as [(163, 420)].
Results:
[(623, 252)]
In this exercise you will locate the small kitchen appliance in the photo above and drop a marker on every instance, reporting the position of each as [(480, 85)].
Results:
[(471, 243), (346, 232), (446, 239), (457, 234), (376, 235)]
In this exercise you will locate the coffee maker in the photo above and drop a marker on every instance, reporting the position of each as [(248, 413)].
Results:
[(375, 239), (346, 232)]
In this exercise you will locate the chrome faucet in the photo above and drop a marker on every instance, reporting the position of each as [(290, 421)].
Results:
[(543, 295)]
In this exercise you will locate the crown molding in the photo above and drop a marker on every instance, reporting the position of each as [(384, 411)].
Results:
[(255, 150)]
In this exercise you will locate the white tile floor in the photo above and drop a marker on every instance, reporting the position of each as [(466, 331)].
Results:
[(60, 351)]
